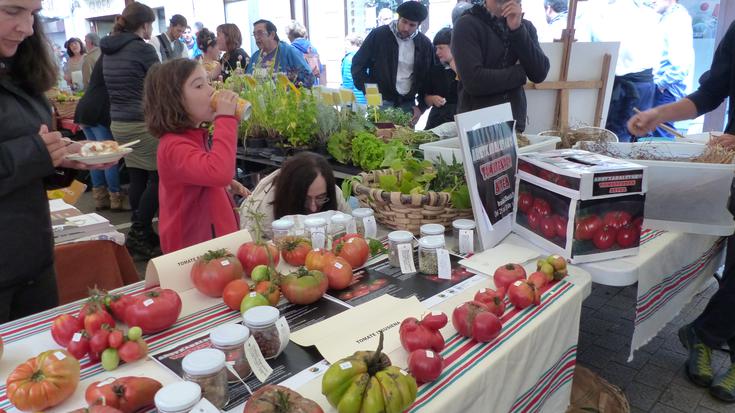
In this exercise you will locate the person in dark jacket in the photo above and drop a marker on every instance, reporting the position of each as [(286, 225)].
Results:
[(495, 50), (93, 114), (126, 60), (715, 326), (397, 57), (29, 156), (441, 89)]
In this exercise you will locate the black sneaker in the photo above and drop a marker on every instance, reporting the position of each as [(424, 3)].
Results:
[(699, 363), (723, 387)]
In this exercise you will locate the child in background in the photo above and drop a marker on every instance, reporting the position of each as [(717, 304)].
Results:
[(195, 177)]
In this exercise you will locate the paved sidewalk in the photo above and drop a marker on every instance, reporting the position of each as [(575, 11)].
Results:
[(655, 380)]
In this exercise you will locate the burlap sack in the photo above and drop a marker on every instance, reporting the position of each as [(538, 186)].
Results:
[(592, 393)]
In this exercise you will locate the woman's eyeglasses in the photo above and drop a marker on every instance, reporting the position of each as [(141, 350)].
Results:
[(320, 200)]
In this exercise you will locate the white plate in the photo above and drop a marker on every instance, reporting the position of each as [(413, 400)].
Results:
[(100, 159)]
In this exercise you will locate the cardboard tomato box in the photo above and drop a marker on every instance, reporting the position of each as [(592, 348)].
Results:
[(580, 205)]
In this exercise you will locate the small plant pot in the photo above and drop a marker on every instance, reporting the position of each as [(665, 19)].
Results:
[(385, 125), (256, 142)]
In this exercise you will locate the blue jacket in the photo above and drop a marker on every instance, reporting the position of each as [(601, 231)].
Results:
[(347, 81), (677, 59), (288, 60)]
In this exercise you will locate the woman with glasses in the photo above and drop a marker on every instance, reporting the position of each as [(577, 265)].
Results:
[(304, 185)]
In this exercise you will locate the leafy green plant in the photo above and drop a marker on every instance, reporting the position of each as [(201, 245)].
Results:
[(451, 178), (368, 151), (340, 147), (395, 116), (412, 177)]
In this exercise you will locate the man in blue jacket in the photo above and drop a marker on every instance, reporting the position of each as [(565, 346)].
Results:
[(275, 56)]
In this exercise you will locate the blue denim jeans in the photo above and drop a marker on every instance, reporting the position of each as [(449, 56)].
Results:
[(107, 176)]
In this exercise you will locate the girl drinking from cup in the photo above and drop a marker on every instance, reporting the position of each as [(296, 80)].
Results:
[(196, 176)]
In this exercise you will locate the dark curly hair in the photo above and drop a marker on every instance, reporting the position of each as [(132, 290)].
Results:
[(71, 40), (205, 40)]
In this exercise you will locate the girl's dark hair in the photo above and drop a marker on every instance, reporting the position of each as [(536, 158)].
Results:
[(233, 37), (134, 16), (205, 40), (163, 97), (33, 66), (293, 182), (68, 43)]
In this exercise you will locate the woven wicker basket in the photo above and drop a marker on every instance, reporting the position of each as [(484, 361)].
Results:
[(65, 109), (407, 212)]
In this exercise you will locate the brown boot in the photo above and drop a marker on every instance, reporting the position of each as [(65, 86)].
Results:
[(101, 198), (117, 202)]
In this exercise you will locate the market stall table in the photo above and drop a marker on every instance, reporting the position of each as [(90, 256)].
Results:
[(670, 269), (528, 367)]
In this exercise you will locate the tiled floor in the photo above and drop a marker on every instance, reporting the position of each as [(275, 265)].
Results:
[(653, 382)]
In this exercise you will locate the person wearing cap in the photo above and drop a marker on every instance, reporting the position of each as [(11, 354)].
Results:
[(441, 89), (397, 57), (495, 50), (167, 44)]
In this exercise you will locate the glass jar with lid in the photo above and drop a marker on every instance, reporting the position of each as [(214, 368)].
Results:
[(365, 224), (178, 397), (428, 258), (339, 226), (464, 239), (395, 239), (231, 338), (316, 231), (281, 228), (206, 368), (270, 334), (428, 230)]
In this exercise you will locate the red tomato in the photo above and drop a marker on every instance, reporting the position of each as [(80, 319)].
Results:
[(128, 394), (538, 279), (586, 227), (117, 305), (604, 238), (132, 351), (617, 219), (43, 381), (100, 340), (485, 327), (214, 270), (64, 327), (474, 320), (294, 250), (154, 311), (252, 254), (560, 223), (79, 345), (525, 202), (425, 365), (628, 236), (521, 294), (96, 317), (338, 272), (534, 220), (492, 299), (270, 291), (352, 248), (548, 227), (424, 334), (541, 206), (116, 339), (272, 398), (316, 259), (507, 274), (234, 292)]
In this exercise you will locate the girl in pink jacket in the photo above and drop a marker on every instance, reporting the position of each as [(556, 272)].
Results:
[(195, 176)]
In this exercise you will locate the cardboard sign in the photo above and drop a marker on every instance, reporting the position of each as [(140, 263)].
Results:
[(172, 270), (488, 142)]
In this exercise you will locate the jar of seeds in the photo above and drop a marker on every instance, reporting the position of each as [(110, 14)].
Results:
[(428, 258), (395, 239), (365, 223), (263, 324), (178, 397), (281, 228), (231, 338), (206, 368)]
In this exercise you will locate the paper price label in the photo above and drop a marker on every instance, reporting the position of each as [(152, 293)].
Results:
[(225, 262), (346, 365), (204, 406), (284, 332), (351, 227), (148, 302), (371, 227), (444, 264), (338, 265), (429, 354), (405, 258), (76, 337), (59, 355), (106, 382), (260, 367), (318, 239), (466, 241)]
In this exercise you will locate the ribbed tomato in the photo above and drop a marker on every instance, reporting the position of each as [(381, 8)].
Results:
[(43, 381)]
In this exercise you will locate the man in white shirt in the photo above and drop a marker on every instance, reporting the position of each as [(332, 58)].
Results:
[(635, 26), (556, 16), (167, 45)]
